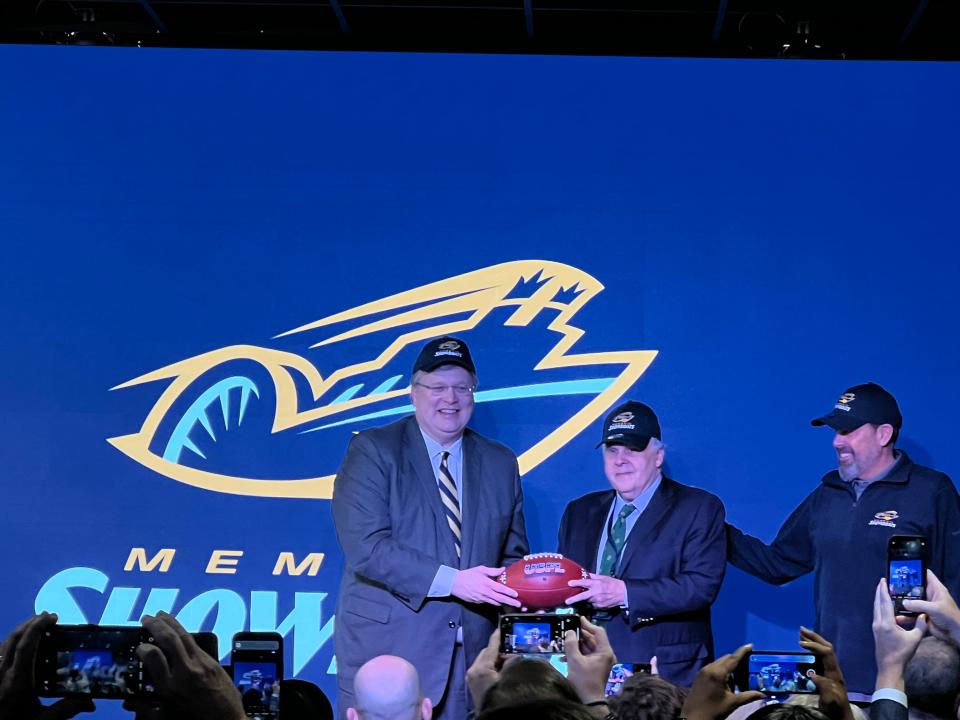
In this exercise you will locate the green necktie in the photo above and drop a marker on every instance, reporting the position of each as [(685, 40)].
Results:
[(615, 540)]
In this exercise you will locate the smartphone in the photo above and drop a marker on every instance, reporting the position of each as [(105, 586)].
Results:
[(777, 672), (907, 570), (530, 634), (619, 674), (95, 661), (208, 643), (256, 663)]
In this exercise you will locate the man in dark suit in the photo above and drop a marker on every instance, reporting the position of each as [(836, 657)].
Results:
[(656, 549), (427, 513)]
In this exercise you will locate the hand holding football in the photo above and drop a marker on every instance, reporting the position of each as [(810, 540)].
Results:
[(541, 580)]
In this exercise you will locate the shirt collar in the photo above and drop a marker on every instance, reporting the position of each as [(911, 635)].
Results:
[(434, 448), (642, 500)]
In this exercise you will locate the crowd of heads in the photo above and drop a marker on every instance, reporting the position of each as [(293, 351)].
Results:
[(917, 655), (186, 683)]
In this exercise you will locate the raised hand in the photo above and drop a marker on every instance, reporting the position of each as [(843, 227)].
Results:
[(187, 680), (18, 654), (711, 698)]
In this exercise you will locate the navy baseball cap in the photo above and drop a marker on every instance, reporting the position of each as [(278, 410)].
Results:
[(631, 424), (859, 405), (444, 351)]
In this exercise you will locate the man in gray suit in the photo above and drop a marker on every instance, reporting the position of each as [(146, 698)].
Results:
[(427, 513)]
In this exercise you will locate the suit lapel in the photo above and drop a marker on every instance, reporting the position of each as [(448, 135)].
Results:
[(648, 523), (593, 529), (419, 463), (472, 486)]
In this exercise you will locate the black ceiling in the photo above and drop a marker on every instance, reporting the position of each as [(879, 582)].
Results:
[(877, 29)]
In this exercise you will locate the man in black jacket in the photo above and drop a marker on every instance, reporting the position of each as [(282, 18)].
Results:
[(841, 530), (655, 548)]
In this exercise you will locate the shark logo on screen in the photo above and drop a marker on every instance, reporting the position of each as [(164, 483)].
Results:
[(274, 420)]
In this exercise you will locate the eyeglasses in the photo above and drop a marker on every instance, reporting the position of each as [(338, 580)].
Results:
[(440, 390)]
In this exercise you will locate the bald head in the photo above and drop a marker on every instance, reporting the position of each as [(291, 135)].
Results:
[(388, 688)]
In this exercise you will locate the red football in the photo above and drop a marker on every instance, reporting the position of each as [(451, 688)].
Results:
[(541, 580)]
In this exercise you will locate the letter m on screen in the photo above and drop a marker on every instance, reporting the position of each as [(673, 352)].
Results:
[(138, 558), (287, 562)]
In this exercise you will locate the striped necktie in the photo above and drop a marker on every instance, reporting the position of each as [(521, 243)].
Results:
[(451, 499), (615, 541)]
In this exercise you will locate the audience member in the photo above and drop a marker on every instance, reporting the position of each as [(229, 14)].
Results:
[(943, 616), (913, 668), (831, 698), (711, 697), (931, 679), (189, 684), (788, 711), (539, 710), (831, 687), (523, 681), (388, 688), (813, 700), (744, 711), (18, 700), (588, 661), (303, 700), (894, 646), (648, 697)]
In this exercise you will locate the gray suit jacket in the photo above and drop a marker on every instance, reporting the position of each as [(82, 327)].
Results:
[(394, 535)]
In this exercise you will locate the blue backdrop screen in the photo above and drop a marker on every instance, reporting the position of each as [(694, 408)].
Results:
[(218, 265)]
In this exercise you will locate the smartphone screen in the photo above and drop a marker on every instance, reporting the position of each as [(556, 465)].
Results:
[(535, 634), (257, 665), (619, 674), (90, 660), (776, 673), (906, 572)]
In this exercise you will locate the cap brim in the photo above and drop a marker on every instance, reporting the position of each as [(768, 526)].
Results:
[(430, 367), (838, 421), (638, 443)]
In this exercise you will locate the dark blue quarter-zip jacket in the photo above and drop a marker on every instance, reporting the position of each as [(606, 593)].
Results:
[(843, 540)]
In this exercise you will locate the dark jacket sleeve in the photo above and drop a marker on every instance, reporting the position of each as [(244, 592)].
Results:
[(563, 534), (887, 710), (945, 548), (702, 562), (789, 556)]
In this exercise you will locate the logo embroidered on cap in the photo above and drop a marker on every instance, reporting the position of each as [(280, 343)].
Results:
[(448, 349), (844, 402)]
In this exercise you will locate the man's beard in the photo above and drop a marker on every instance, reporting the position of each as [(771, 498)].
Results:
[(850, 471)]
